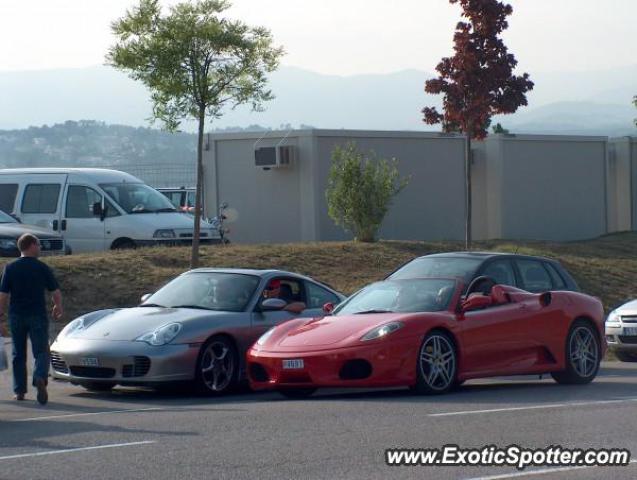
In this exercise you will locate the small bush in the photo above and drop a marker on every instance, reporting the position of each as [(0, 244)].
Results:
[(360, 190)]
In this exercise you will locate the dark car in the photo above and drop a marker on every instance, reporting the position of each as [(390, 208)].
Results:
[(10, 230), (533, 274)]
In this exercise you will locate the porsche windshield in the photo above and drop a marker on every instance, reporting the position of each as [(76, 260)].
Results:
[(138, 198), (228, 292), (401, 296), (438, 267)]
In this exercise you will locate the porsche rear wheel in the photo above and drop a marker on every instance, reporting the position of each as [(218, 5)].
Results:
[(437, 364), (217, 367), (582, 355), (296, 393)]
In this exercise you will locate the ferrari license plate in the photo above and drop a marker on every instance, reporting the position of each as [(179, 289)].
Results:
[(89, 362), (295, 364), (630, 331)]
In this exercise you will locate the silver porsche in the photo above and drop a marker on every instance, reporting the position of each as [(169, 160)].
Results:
[(196, 328)]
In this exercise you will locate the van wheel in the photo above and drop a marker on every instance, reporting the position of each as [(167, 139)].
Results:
[(124, 244)]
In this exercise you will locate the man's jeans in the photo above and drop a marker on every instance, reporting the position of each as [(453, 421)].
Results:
[(37, 328)]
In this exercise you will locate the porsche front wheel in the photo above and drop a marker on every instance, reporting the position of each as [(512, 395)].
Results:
[(217, 367), (437, 364), (582, 355)]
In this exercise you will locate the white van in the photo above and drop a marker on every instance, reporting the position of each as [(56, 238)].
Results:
[(96, 209)]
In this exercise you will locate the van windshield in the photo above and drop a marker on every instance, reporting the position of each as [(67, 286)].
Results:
[(137, 198)]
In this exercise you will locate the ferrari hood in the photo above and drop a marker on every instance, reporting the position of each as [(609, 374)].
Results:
[(332, 330), (129, 323)]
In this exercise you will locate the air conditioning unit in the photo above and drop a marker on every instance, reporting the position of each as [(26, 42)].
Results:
[(274, 157)]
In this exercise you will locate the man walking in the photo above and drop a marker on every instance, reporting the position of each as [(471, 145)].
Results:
[(23, 286)]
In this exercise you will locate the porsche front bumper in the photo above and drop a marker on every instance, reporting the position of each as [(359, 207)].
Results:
[(122, 362)]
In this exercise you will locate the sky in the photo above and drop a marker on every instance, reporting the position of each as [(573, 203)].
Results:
[(341, 37)]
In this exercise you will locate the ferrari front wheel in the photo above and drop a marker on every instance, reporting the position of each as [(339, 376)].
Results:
[(437, 364), (582, 355)]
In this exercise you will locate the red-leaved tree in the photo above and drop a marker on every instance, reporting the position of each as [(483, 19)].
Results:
[(478, 81)]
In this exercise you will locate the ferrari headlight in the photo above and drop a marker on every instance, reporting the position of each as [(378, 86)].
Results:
[(613, 318), (264, 338), (382, 331), (162, 335)]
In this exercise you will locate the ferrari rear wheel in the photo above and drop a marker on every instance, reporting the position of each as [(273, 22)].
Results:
[(296, 393), (217, 367), (582, 355), (626, 356), (437, 364)]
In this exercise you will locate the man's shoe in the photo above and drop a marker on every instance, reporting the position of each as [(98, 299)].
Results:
[(19, 397), (43, 395)]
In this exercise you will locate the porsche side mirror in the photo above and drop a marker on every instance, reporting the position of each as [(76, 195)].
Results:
[(273, 304), (146, 297), (328, 308), (476, 302)]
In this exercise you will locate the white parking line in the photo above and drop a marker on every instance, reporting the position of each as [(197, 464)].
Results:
[(532, 407), (67, 415), (528, 473), (71, 450)]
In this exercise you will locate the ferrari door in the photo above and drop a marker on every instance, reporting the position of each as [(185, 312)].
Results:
[(495, 340)]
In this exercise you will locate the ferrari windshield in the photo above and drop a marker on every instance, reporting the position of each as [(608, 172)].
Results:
[(400, 296), (438, 267), (138, 198), (228, 292)]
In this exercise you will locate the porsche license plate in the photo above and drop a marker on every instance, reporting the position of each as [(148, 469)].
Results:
[(630, 331), (89, 362), (295, 364)]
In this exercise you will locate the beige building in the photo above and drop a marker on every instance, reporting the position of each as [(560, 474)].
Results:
[(525, 186)]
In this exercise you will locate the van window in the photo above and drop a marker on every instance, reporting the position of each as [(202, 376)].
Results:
[(8, 192), (80, 200), (41, 198), (138, 198)]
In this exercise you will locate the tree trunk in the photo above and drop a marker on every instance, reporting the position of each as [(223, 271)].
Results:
[(467, 174), (194, 256)]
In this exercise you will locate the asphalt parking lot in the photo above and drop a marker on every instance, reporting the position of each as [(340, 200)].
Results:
[(134, 433)]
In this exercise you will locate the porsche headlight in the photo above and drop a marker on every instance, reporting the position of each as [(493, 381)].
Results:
[(162, 335), (264, 338), (382, 331), (613, 318), (82, 323)]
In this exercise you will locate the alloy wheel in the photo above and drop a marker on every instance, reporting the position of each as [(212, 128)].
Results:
[(583, 351), (437, 362), (217, 366)]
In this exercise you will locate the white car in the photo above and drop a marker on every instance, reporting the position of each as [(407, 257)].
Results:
[(96, 209), (621, 332)]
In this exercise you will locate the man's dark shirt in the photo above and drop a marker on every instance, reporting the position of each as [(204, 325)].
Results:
[(26, 280)]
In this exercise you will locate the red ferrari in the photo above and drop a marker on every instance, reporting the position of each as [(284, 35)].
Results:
[(429, 335)]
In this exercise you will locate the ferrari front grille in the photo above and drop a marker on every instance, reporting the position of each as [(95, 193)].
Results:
[(258, 373), (358, 369)]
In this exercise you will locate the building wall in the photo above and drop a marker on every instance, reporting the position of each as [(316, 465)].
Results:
[(268, 202), (430, 207), (524, 186), (551, 187), (620, 182)]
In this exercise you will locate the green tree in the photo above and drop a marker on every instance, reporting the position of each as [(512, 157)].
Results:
[(360, 190), (196, 63)]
